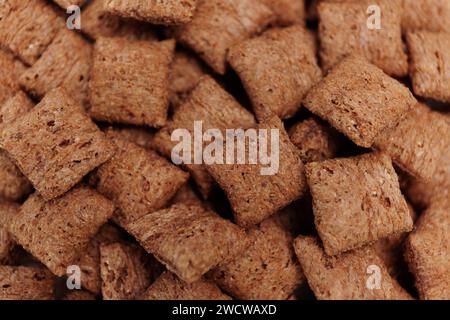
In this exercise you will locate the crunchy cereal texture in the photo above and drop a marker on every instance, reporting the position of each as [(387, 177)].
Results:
[(277, 69), (25, 283), (167, 12), (186, 195), (343, 30), (138, 181), (188, 240), (141, 136), (418, 143), (315, 140), (427, 251), (287, 11), (359, 100), (254, 196), (57, 231), (56, 144), (9, 77), (432, 15), (169, 287), (430, 64), (67, 3), (218, 25), (267, 270), (356, 201), (344, 277), (7, 244), (129, 81)]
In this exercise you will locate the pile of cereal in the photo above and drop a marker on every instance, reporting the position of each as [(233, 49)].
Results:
[(93, 196)]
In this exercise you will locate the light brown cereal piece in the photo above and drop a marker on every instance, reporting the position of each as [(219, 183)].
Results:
[(138, 181), (51, 69), (27, 27), (315, 140), (9, 78), (267, 270), (188, 240), (356, 201), (67, 3), (427, 251), (344, 29), (218, 25), (15, 107), (432, 15), (421, 193), (56, 144), (418, 142), (82, 295), (169, 287), (129, 81), (287, 11), (359, 100), (57, 231), (430, 64), (345, 277), (141, 136), (7, 244), (25, 283), (277, 69), (257, 191), (166, 12)]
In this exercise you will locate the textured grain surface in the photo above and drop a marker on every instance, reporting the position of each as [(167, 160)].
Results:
[(67, 3), (287, 11), (25, 283), (7, 212), (432, 15), (9, 78), (82, 295)]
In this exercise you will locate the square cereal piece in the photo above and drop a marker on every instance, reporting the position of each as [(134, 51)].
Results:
[(57, 231), (431, 15), (359, 100), (81, 295), (9, 77), (277, 69), (418, 142), (356, 201), (51, 69), (56, 144), (267, 270), (188, 240), (129, 81), (430, 64), (345, 277), (7, 243), (218, 25), (67, 3), (27, 27), (427, 251), (167, 12), (315, 140), (169, 287), (344, 29), (138, 181), (25, 283), (287, 11), (123, 271), (257, 191)]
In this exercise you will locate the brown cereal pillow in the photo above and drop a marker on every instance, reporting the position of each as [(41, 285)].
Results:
[(56, 144), (9, 77), (431, 15), (287, 11), (430, 64), (343, 30), (140, 136), (359, 100), (129, 81), (67, 3), (218, 25), (277, 69), (7, 244), (356, 201)]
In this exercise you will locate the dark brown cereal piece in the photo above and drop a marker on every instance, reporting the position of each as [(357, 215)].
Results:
[(254, 196), (430, 64), (141, 136), (427, 251), (315, 140), (9, 77), (7, 244), (343, 30), (27, 27), (25, 283), (169, 287), (166, 12), (188, 240), (356, 201), (432, 15), (138, 181), (418, 143), (287, 11), (56, 144), (82, 295), (124, 274), (267, 270), (66, 63), (129, 81), (277, 69), (218, 25), (57, 231), (67, 3), (345, 276), (359, 100)]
